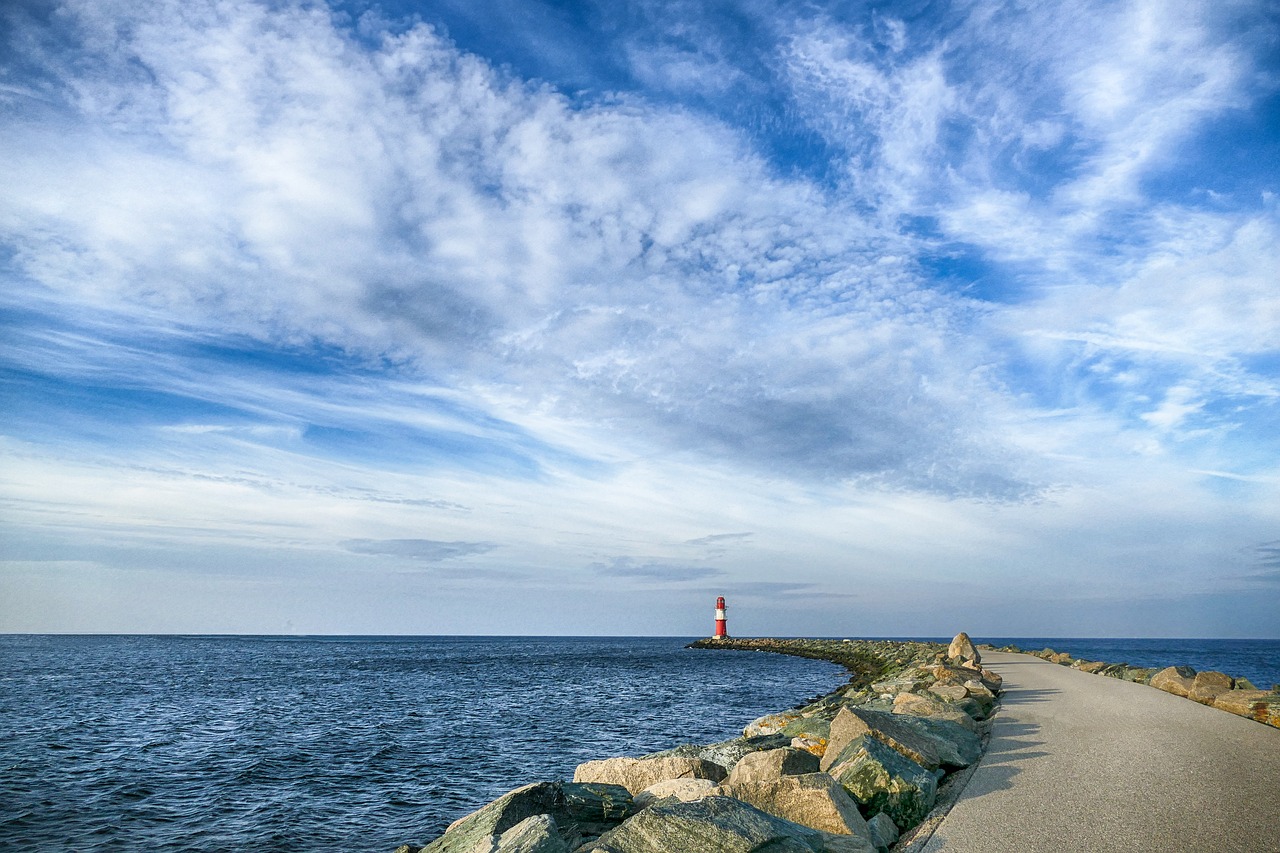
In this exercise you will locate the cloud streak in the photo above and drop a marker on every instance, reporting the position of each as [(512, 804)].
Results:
[(426, 550)]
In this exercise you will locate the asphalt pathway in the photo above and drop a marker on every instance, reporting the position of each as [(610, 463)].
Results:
[(1084, 763)]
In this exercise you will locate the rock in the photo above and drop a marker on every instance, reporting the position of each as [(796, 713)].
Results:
[(814, 800), (577, 809), (536, 834), (853, 723), (772, 764), (979, 693), (636, 774), (962, 647), (950, 692), (723, 825), (1208, 685), (884, 832), (811, 725), (882, 779), (769, 724), (1260, 705), (728, 753), (956, 746), (1244, 684), (944, 674), (1177, 680), (893, 686), (921, 706), (684, 790), (1090, 666), (812, 745), (1138, 674)]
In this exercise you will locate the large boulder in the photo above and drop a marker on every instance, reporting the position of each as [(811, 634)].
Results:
[(882, 779), (962, 647), (1208, 685), (728, 753), (814, 800), (811, 725), (1260, 705), (636, 774), (684, 790), (1177, 680), (577, 810), (922, 706), (772, 764), (956, 745), (853, 723), (723, 825), (949, 692), (536, 834)]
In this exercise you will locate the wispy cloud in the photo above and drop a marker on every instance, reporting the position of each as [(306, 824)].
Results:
[(719, 539), (901, 289), (628, 567), (427, 550)]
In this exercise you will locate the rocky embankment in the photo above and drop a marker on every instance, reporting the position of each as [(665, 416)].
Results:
[(845, 773), (1216, 689)]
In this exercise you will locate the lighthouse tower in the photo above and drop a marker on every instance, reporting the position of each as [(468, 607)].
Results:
[(722, 624)]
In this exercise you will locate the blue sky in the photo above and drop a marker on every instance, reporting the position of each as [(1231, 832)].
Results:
[(564, 318)]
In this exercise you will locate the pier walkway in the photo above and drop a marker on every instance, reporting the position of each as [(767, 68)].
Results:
[(1083, 763)]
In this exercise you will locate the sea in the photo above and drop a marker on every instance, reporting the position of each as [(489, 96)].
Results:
[(213, 743)]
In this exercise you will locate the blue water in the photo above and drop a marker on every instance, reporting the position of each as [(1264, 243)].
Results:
[(361, 744), (352, 744), (1256, 660)]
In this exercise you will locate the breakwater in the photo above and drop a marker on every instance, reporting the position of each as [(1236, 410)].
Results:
[(846, 772), (1217, 689)]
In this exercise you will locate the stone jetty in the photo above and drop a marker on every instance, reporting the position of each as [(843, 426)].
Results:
[(1218, 690), (845, 773), (1081, 763)]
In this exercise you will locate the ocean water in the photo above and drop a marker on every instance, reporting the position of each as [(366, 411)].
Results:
[(361, 744), (353, 744)]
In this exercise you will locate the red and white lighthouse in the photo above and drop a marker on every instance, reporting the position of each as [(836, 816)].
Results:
[(722, 624)]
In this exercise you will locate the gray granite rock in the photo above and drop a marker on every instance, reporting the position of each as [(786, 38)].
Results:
[(723, 825), (881, 779)]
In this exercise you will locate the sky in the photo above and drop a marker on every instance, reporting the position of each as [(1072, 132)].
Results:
[(546, 317)]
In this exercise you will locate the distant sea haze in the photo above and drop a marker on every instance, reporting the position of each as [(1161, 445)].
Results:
[(363, 744)]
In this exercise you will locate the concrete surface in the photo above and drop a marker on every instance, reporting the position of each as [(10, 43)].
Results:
[(1084, 763)]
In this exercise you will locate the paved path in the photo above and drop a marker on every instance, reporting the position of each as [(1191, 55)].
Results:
[(1084, 763)]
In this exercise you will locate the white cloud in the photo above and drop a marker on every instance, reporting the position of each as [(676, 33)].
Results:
[(635, 330)]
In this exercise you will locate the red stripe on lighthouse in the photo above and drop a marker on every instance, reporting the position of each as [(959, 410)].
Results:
[(722, 624)]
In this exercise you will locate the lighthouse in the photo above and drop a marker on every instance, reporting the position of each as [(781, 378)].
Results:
[(722, 624)]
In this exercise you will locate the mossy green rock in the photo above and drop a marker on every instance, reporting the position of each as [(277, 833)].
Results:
[(883, 780), (577, 809), (726, 753), (811, 726), (956, 746), (723, 825)]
